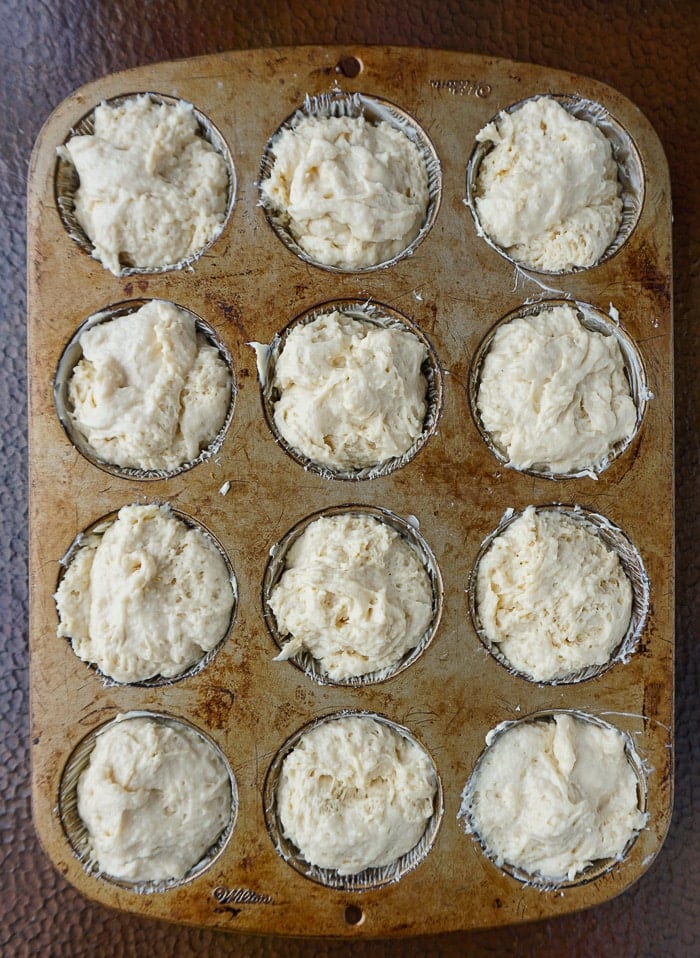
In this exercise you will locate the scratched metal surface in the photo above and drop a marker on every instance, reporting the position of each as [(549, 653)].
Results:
[(248, 286)]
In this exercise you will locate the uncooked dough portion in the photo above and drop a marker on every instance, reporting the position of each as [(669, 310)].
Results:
[(553, 394), (355, 794), (351, 393), (548, 192), (551, 797), (351, 193), (551, 595), (354, 594), (150, 391), (152, 192), (148, 596), (154, 798)]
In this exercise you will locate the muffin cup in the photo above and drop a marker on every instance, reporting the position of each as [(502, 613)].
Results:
[(159, 681), (616, 540), (597, 321), (77, 834), (71, 356), (276, 567), (374, 109), (378, 315), (66, 184), (370, 878), (598, 868), (630, 173)]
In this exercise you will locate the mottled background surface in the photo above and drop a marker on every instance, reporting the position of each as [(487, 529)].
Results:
[(647, 50)]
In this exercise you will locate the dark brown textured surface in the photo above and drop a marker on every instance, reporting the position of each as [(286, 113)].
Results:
[(647, 51)]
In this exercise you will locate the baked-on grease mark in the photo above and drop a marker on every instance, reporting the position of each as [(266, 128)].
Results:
[(141, 283), (239, 896), (463, 87), (216, 706), (233, 912)]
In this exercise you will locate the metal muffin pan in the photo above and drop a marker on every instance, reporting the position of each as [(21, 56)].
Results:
[(453, 288)]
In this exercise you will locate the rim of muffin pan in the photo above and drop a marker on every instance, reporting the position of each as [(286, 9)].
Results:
[(66, 181), (371, 878), (276, 567), (595, 320), (596, 869), (71, 356), (616, 540), (376, 314), (630, 169), (76, 832), (341, 104), (99, 527)]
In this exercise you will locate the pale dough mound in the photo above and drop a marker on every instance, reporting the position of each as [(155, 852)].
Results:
[(354, 594), (147, 596), (352, 193), (150, 391), (551, 797), (553, 394), (351, 393), (551, 595), (548, 192), (152, 191), (355, 794), (154, 798)]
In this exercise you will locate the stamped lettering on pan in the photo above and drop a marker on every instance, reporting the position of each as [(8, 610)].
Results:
[(239, 896), (463, 87)]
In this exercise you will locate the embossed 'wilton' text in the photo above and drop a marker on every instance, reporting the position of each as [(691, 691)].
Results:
[(240, 896), (463, 87)]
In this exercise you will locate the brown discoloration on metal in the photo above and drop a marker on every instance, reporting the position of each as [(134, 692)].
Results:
[(248, 286)]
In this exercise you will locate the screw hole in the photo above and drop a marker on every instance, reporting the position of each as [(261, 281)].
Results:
[(349, 67), (354, 915)]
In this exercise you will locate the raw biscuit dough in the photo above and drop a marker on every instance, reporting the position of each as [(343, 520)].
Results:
[(548, 192), (351, 393), (152, 192), (354, 594), (550, 797), (551, 596), (354, 794), (352, 193), (150, 391), (153, 798), (553, 394), (147, 596)]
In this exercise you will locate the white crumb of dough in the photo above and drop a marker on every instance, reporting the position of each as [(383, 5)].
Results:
[(354, 594), (355, 794), (352, 394), (548, 191), (551, 596), (352, 193), (154, 799), (147, 596), (551, 797), (152, 191), (553, 393), (150, 391)]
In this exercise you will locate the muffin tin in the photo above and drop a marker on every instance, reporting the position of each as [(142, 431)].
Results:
[(250, 493)]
